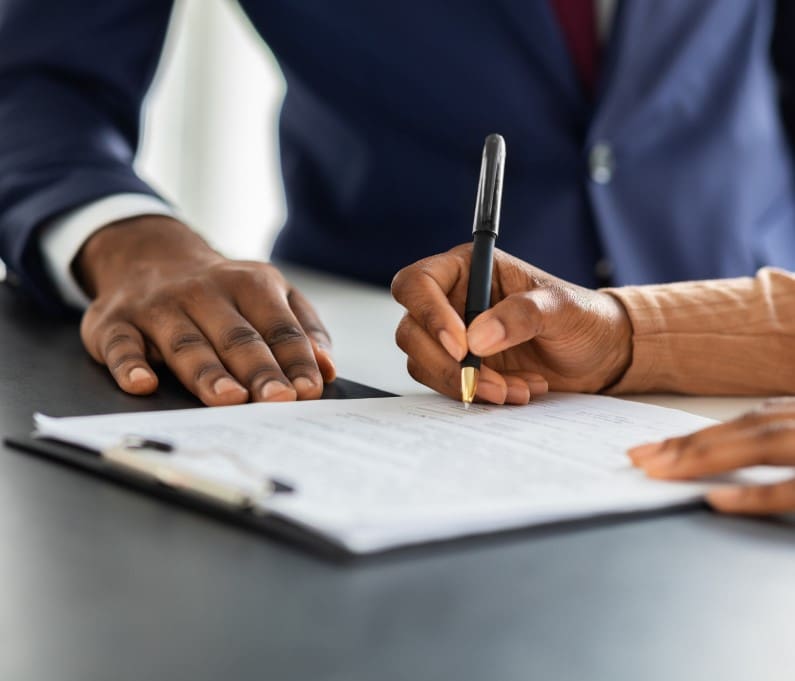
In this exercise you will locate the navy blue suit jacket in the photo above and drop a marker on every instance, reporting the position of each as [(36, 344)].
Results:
[(385, 114)]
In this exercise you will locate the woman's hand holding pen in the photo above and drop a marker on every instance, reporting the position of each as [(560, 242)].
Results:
[(231, 331), (540, 333), (543, 331)]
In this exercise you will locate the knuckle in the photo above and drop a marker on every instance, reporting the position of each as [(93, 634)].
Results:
[(315, 329), (300, 367), (428, 316), (186, 341), (753, 417), (263, 374), (159, 302), (399, 283), (758, 497), (118, 338), (451, 375), (283, 333), (262, 275), (682, 442), (528, 319), (320, 335), (403, 334), (205, 370), (239, 336), (124, 359), (772, 430), (234, 276), (194, 289), (415, 370), (699, 450)]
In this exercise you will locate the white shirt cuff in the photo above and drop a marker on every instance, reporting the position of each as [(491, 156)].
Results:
[(61, 240)]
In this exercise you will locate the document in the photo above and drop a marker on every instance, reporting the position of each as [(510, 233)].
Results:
[(374, 474)]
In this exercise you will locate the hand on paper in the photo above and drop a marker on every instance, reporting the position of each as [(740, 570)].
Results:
[(230, 330), (762, 437), (541, 332)]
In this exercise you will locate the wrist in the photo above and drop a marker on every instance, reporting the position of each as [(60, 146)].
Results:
[(130, 247), (620, 356)]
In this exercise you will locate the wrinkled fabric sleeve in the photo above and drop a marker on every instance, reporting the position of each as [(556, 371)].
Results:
[(721, 337)]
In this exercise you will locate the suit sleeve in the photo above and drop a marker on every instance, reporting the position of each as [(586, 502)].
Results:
[(72, 80), (783, 57)]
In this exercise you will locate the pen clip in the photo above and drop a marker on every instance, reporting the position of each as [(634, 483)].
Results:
[(489, 197)]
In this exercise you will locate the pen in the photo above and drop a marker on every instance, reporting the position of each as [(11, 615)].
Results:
[(484, 234)]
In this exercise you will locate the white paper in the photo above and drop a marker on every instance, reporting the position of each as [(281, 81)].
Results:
[(377, 473)]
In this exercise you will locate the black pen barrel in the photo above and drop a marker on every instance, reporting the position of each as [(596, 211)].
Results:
[(479, 289), (480, 270)]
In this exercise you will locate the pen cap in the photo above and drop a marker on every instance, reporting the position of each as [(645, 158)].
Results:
[(489, 198)]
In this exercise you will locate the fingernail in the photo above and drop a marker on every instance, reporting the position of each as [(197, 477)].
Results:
[(485, 336), (226, 385), (139, 375), (302, 384), (538, 386), (453, 348), (273, 390)]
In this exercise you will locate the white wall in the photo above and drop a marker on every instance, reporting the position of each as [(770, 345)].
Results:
[(210, 134)]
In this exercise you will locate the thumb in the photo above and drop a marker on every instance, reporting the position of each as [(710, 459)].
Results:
[(516, 319)]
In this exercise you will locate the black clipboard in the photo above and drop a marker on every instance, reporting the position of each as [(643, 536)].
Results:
[(272, 524)]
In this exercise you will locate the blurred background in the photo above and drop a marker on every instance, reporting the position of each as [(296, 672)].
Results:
[(210, 142)]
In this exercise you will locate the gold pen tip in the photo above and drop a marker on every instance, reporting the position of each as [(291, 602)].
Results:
[(469, 384)]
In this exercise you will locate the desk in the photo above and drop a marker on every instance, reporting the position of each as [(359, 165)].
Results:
[(100, 583)]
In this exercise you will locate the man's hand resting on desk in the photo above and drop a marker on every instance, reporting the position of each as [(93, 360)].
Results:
[(540, 333), (230, 330), (765, 437)]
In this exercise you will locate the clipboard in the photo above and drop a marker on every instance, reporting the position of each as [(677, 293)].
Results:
[(126, 465)]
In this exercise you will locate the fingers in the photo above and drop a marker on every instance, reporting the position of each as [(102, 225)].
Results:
[(186, 350), (269, 312), (235, 332), (760, 500), (240, 349), (772, 410), (514, 320), (316, 332), (763, 437), (121, 347), (705, 454), (424, 289), (430, 364)]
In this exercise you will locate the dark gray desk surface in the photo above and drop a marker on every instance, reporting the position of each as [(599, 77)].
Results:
[(98, 582)]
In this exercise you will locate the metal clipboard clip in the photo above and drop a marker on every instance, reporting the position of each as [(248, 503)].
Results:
[(186, 470)]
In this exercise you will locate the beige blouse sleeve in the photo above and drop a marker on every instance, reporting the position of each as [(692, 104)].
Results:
[(721, 337)]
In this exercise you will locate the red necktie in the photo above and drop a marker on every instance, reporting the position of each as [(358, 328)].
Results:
[(577, 18)]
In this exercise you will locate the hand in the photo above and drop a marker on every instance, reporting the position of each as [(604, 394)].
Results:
[(230, 330), (540, 333), (762, 437)]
